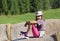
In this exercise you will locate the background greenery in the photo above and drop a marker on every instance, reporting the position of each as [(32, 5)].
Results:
[(18, 7), (48, 14)]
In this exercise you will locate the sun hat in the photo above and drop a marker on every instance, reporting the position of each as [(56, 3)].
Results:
[(38, 13)]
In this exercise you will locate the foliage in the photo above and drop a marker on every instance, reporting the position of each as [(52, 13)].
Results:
[(17, 7)]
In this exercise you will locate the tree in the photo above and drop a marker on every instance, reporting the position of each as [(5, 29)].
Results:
[(51, 3), (38, 4), (59, 3), (54, 3), (32, 6), (5, 6), (27, 6), (46, 4), (1, 7), (14, 7), (22, 6)]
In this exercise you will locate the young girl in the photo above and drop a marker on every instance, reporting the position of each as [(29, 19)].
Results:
[(39, 23)]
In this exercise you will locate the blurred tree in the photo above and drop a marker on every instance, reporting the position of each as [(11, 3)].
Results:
[(27, 6), (38, 4), (32, 6), (1, 7), (54, 3), (59, 3), (14, 7), (22, 6), (5, 6), (46, 4)]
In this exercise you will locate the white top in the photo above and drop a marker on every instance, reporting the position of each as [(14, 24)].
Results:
[(39, 13)]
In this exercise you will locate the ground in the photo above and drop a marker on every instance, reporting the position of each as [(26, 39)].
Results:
[(52, 26)]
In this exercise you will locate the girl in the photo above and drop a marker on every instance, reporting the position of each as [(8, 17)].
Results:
[(40, 23)]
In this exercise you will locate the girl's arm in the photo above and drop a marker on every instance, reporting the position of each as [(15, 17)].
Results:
[(30, 22), (33, 22)]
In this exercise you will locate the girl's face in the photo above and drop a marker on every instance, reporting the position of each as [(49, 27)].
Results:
[(39, 17)]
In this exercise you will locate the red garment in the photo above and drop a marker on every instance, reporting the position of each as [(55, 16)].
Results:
[(35, 31)]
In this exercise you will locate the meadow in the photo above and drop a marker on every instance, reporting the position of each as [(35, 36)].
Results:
[(48, 14)]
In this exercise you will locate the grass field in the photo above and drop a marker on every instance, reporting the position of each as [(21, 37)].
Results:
[(49, 14)]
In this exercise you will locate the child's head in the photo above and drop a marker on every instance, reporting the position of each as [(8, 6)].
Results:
[(39, 15)]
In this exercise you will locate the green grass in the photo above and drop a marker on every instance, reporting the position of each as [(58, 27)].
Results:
[(49, 14), (17, 18), (52, 14)]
